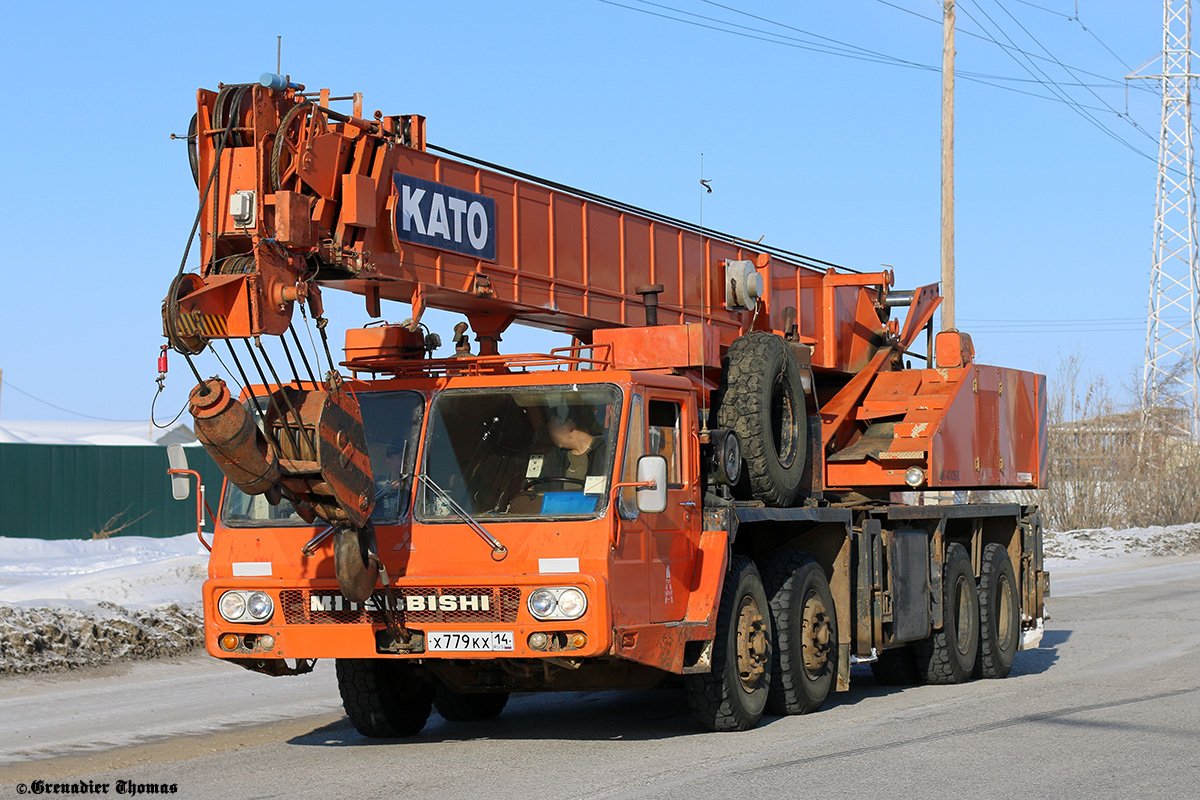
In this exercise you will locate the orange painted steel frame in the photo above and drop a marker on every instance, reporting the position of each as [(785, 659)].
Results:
[(561, 262), (620, 561), (573, 264)]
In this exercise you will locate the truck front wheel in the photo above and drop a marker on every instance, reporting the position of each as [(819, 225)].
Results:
[(733, 695), (383, 698)]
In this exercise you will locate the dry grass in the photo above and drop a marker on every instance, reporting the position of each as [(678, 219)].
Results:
[(1108, 465)]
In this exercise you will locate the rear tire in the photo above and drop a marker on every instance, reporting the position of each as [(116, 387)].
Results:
[(948, 655), (383, 698), (467, 707), (804, 658), (733, 695), (999, 614)]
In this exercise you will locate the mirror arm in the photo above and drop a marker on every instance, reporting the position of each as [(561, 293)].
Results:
[(200, 504)]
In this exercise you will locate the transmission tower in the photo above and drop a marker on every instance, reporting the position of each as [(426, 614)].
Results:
[(1171, 378)]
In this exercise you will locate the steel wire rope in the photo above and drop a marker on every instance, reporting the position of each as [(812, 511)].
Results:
[(172, 309), (295, 443)]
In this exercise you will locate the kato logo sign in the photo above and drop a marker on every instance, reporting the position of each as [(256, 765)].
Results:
[(436, 215)]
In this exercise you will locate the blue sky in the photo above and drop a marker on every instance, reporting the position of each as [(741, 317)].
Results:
[(836, 157)]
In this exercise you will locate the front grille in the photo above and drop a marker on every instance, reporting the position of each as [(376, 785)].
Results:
[(302, 607)]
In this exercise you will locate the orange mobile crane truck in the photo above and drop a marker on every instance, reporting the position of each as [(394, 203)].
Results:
[(705, 487)]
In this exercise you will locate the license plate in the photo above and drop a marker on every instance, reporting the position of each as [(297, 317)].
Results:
[(468, 641)]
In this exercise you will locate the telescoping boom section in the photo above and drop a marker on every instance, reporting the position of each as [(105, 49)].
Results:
[(711, 481)]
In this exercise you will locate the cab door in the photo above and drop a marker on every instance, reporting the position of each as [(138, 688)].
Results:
[(629, 570), (672, 536)]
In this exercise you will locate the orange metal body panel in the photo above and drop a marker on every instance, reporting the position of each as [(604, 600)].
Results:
[(967, 428), (639, 575), (662, 347)]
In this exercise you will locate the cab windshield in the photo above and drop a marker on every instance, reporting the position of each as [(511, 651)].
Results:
[(520, 453), (392, 423)]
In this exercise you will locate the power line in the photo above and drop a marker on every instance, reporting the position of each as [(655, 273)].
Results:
[(1050, 83), (1086, 29), (1072, 74), (842, 49), (967, 32), (10, 385)]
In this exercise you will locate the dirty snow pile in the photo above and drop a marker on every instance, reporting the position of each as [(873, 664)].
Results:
[(72, 603), (1100, 546)]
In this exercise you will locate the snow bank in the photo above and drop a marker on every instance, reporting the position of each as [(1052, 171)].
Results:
[(1066, 550), (71, 603)]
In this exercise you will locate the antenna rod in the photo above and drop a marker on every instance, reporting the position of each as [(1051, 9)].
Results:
[(278, 54)]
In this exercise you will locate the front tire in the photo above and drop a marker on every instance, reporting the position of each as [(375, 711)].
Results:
[(383, 698), (733, 694), (948, 655), (999, 614)]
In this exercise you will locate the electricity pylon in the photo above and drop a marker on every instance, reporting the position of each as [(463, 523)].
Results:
[(1171, 378)]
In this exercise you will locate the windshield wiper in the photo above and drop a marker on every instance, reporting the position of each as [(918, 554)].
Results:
[(499, 551)]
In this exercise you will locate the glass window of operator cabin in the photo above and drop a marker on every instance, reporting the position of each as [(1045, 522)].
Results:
[(519, 453), (392, 423)]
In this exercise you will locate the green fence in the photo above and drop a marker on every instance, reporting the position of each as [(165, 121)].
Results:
[(50, 491)]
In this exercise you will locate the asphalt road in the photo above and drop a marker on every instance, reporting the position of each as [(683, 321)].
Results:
[(1108, 707)]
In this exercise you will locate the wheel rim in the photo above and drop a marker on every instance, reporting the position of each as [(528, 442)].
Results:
[(962, 628), (753, 651), (783, 420), (1004, 611), (815, 636)]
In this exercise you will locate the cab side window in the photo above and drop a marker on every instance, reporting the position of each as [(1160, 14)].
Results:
[(635, 447), (664, 437)]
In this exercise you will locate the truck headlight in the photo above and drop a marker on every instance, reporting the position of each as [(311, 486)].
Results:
[(557, 602), (246, 607), (259, 605), (232, 606)]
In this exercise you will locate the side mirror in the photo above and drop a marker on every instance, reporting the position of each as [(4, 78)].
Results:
[(652, 500), (181, 485)]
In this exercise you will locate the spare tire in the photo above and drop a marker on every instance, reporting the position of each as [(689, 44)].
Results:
[(762, 399)]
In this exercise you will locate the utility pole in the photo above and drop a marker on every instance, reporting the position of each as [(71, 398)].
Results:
[(947, 165)]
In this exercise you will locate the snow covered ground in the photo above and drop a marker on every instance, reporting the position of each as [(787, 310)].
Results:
[(74, 603)]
